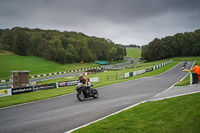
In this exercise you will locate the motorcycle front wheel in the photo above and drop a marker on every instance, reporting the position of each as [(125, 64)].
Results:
[(80, 96), (95, 93)]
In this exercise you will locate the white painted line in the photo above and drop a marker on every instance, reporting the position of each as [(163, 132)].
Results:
[(175, 96), (105, 117)]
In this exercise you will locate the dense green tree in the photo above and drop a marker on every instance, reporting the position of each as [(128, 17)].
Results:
[(20, 46), (165, 49), (62, 47), (181, 44)]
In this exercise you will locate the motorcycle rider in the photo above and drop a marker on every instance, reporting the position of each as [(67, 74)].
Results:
[(84, 81)]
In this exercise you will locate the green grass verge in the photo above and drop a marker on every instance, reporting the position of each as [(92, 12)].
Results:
[(186, 59), (34, 96), (133, 52), (4, 53), (185, 81), (176, 115), (35, 65)]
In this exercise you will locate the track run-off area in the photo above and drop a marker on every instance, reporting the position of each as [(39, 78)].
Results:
[(64, 113)]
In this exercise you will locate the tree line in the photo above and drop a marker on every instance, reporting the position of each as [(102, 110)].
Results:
[(132, 46), (62, 47), (181, 44)]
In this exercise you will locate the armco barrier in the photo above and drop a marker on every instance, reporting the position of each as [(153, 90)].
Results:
[(148, 69), (126, 75), (131, 74), (134, 73), (140, 71)]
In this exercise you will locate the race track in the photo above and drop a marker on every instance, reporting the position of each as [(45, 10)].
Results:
[(61, 114)]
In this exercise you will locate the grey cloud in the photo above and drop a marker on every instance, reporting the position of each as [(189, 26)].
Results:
[(123, 21)]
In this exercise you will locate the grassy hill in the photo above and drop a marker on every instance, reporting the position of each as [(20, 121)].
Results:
[(36, 65), (133, 52)]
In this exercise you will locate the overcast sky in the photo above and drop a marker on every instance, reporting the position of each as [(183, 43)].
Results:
[(123, 21)]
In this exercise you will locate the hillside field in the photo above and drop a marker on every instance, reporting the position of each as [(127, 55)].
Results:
[(35, 65), (133, 52)]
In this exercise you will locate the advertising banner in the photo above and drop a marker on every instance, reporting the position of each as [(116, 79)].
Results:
[(5, 92), (22, 90), (130, 74), (62, 84), (44, 87), (70, 83)]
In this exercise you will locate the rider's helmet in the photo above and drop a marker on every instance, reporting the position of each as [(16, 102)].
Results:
[(81, 77)]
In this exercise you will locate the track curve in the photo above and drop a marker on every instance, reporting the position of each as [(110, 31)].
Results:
[(64, 113)]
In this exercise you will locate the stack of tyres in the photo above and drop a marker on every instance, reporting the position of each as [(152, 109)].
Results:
[(194, 78)]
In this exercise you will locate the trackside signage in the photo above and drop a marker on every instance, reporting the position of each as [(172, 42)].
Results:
[(70, 83), (5, 92), (22, 90), (62, 84), (95, 79), (44, 87)]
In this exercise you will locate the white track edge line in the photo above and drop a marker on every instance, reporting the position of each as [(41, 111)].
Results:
[(175, 96), (105, 117)]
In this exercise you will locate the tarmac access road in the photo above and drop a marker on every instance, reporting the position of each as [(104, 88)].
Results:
[(61, 114)]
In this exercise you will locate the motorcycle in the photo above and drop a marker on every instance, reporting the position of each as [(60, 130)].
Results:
[(86, 92)]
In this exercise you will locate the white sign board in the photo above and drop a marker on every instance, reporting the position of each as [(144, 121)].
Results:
[(5, 92), (95, 79)]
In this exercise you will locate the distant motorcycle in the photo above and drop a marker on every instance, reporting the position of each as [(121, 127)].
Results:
[(86, 92)]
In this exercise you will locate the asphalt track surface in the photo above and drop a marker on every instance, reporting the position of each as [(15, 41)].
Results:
[(61, 114)]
